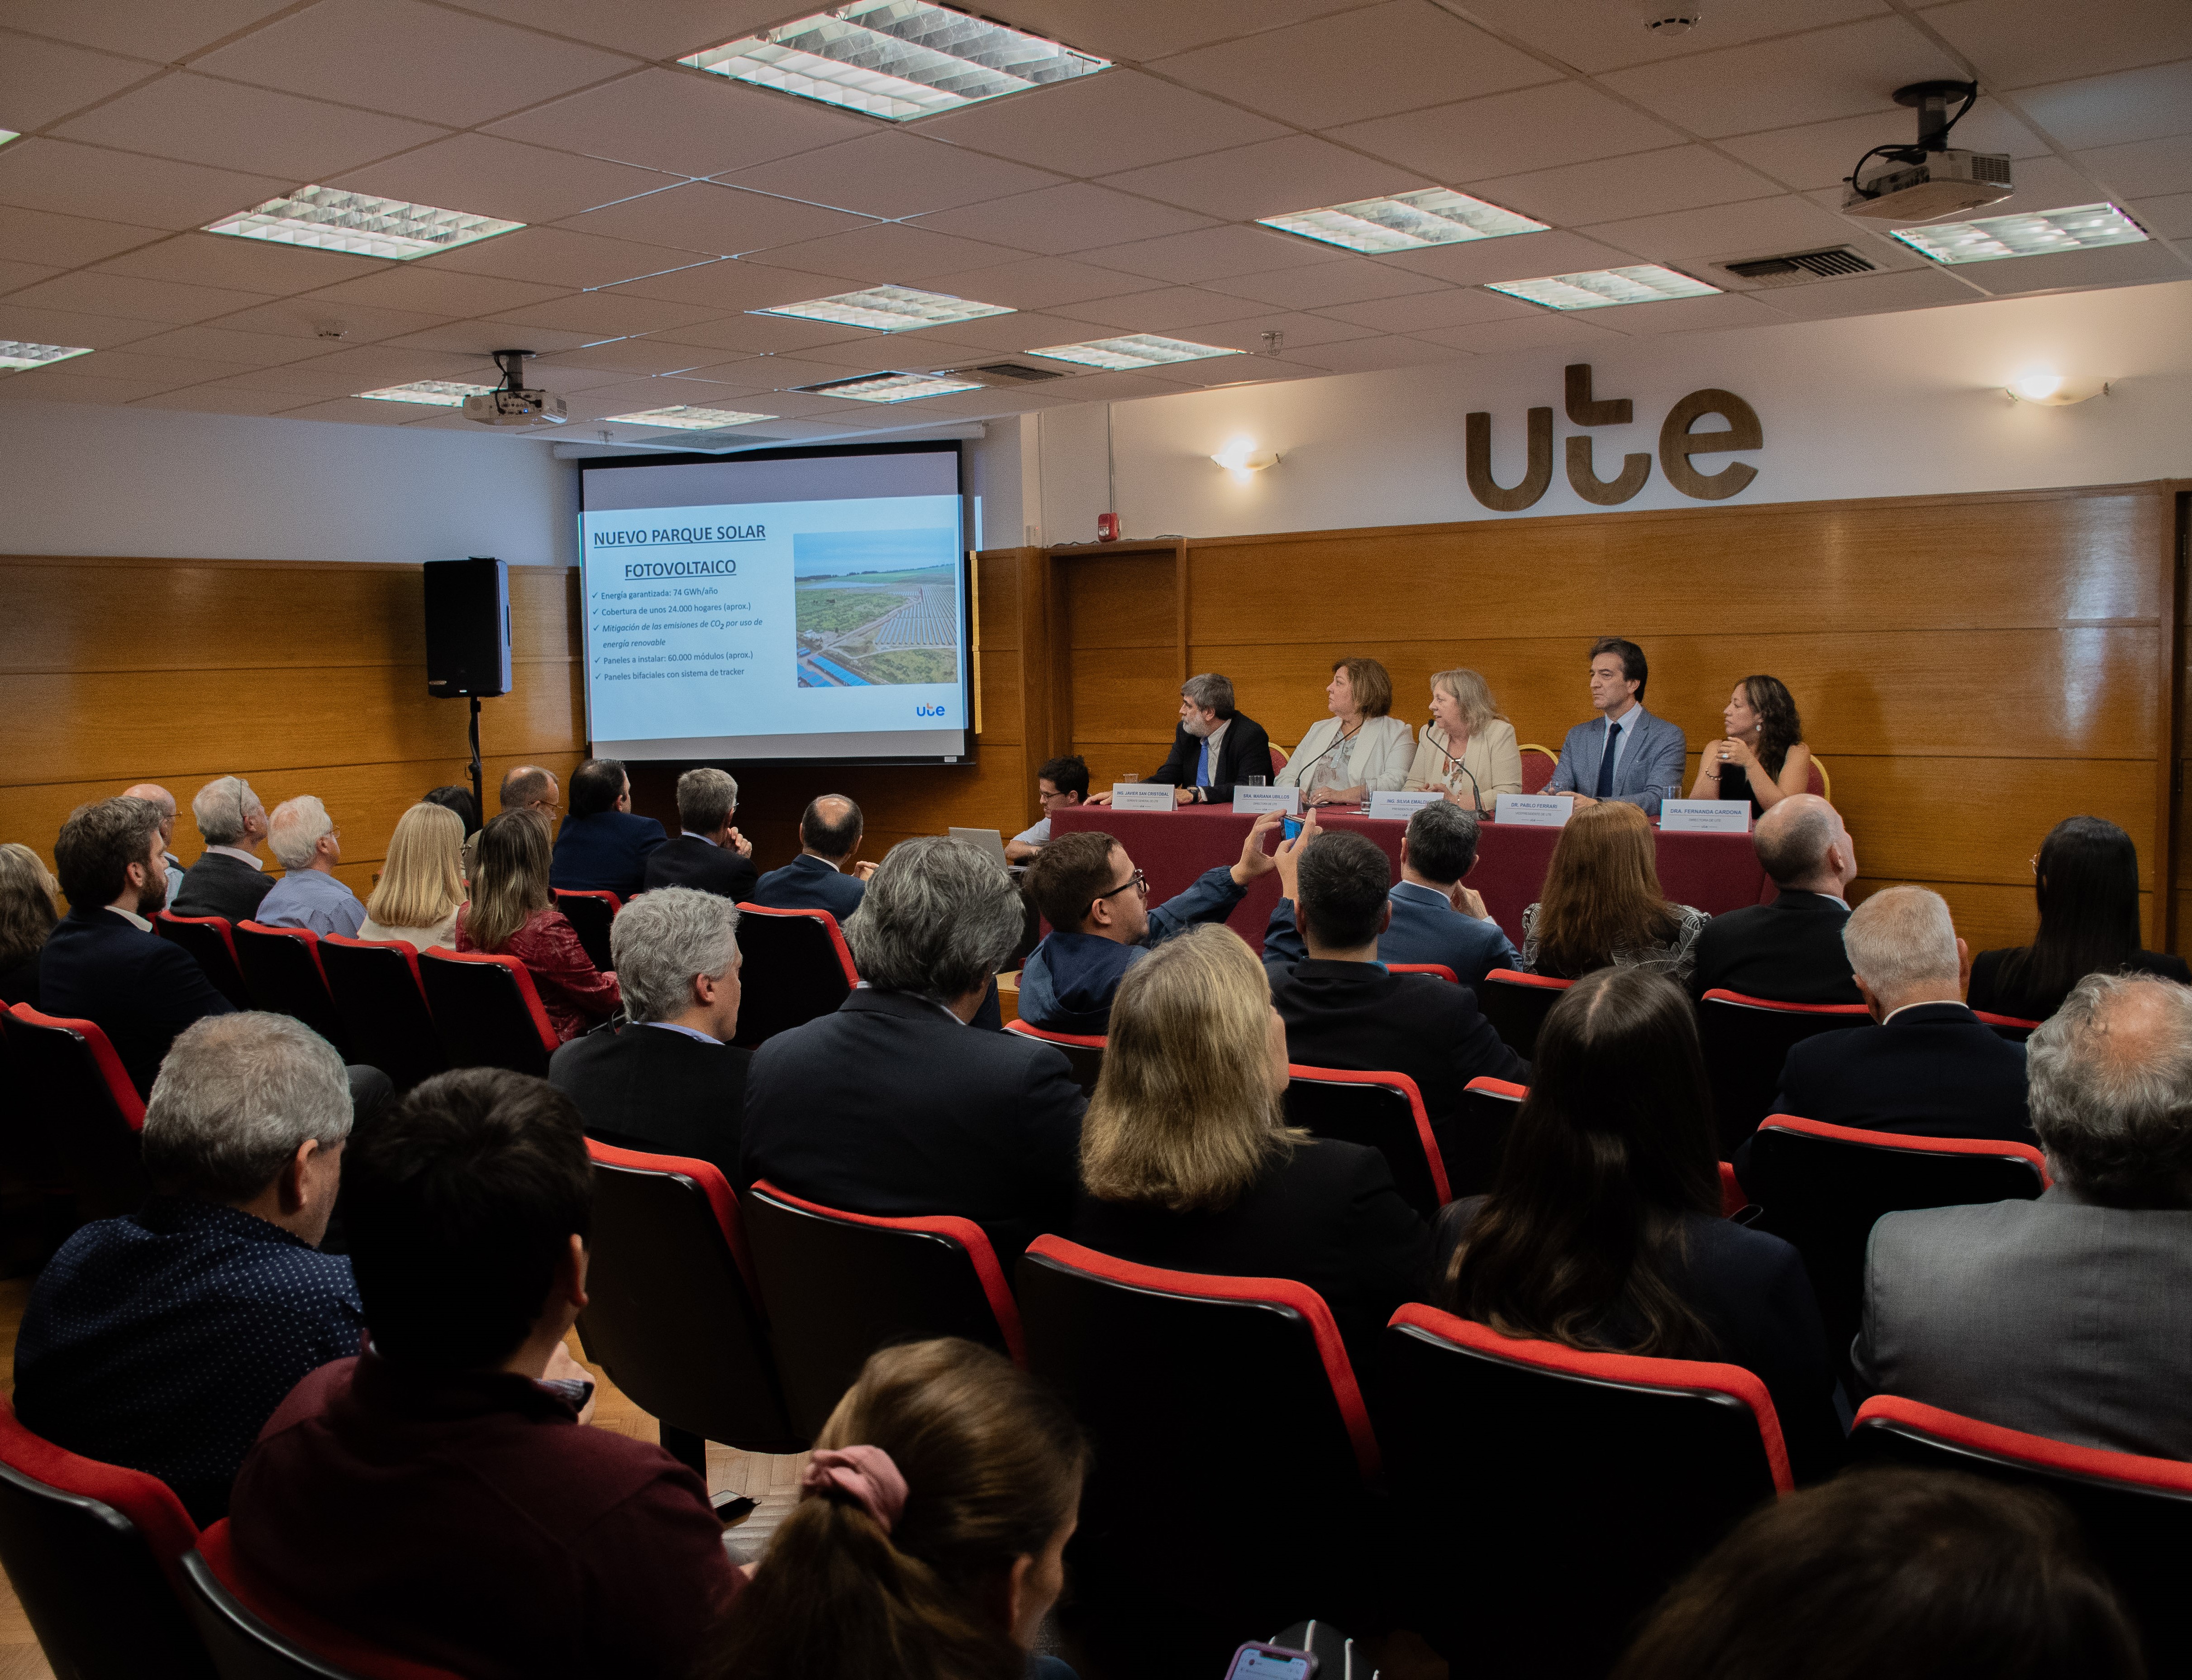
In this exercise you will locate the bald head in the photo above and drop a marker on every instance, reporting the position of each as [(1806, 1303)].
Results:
[(157, 795), (830, 827), (2111, 1090), (528, 786), (1804, 846)]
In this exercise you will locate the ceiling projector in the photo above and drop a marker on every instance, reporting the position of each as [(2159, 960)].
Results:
[(512, 403), (1931, 179)]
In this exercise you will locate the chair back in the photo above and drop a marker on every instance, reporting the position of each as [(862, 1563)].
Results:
[(1436, 970), (1384, 1111), (1516, 1005), (94, 1552), (2015, 1028), (1745, 1040), (1548, 1496), (208, 939), (1278, 760), (282, 966), (1538, 764), (74, 1085), (1086, 1053), (836, 1286), (486, 1011), (590, 913), (1817, 780), (1476, 1142), (377, 990), (674, 1315), (797, 968)]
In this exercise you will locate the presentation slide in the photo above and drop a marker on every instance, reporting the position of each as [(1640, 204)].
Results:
[(808, 607)]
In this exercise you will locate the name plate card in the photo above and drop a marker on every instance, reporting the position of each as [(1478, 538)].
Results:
[(1255, 801), (1705, 816), (1148, 796), (1536, 810), (1400, 806)]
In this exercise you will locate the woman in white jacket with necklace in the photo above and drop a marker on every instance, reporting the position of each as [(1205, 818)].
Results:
[(1360, 749)]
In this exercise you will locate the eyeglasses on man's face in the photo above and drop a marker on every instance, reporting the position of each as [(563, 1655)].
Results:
[(1137, 882)]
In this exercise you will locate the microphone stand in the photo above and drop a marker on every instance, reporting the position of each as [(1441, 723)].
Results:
[(1341, 740)]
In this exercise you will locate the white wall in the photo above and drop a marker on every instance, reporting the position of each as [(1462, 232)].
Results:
[(156, 482)]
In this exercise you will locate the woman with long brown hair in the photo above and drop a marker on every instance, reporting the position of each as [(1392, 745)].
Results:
[(1762, 757), (513, 913), (28, 912), (1601, 904)]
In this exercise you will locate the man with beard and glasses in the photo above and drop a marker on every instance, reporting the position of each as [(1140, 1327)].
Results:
[(1213, 747)]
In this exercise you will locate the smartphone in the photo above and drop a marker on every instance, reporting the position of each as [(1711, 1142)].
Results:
[(1292, 827), (1256, 1661)]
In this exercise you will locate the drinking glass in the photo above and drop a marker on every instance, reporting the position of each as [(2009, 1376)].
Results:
[(1255, 781)]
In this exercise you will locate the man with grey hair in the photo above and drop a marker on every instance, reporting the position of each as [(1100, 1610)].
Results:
[(308, 845), (164, 1340), (709, 853), (1213, 746), (2069, 1317), (894, 1104), (227, 880), (670, 1081), (1789, 950)]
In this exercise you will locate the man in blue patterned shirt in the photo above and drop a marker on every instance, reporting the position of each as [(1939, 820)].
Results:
[(164, 1340)]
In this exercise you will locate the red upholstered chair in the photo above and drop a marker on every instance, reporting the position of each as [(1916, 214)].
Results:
[(2136, 1511), (590, 914), (1086, 1053), (2015, 1028), (382, 1001), (1278, 760), (1538, 764), (94, 1553), (1488, 1107), (1382, 1110), (797, 967), (1745, 1041), (1232, 1451), (1817, 780), (1734, 1198), (72, 1083), (836, 1286), (1438, 969), (1516, 1005), (208, 939), (282, 966), (486, 1011), (1548, 1496), (675, 1313), (256, 1634)]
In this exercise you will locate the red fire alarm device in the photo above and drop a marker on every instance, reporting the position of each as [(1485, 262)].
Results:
[(1107, 527)]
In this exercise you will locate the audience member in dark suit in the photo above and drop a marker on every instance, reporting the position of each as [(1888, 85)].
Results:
[(1212, 746), (436, 1494), (512, 914), (103, 962), (1789, 950), (164, 1340), (2086, 880), (892, 1104), (27, 915), (523, 787), (709, 853), (602, 847), (824, 876), (227, 880), (670, 1083), (1603, 1229), (2069, 1316), (1189, 1163)]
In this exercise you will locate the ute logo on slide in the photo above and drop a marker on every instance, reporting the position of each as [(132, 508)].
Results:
[(928, 711)]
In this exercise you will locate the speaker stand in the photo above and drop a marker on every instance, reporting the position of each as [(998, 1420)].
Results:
[(479, 795)]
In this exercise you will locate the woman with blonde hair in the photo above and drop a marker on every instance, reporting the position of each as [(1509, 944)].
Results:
[(929, 1539), (421, 885), (1360, 748), (1187, 1162), (1602, 905), (28, 912), (513, 913), (1467, 750)]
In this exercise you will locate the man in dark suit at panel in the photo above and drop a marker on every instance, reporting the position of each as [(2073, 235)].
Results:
[(670, 1082), (893, 1104), (1790, 950), (709, 854), (103, 962), (602, 848), (824, 876), (228, 879), (1212, 746)]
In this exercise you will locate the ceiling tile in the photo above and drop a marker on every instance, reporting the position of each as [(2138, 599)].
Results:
[(1374, 355), (629, 356), (1075, 217), (604, 314), (892, 174), (214, 399), (2133, 104), (997, 334), (723, 286), (2111, 266), (1457, 307), (1601, 35), (1356, 280), (485, 337), (1172, 309), (570, 379), (755, 336), (174, 370), (719, 220), (686, 121), (1757, 227), (1686, 315), (432, 291), (1213, 253), (916, 352), (223, 344), (2169, 218), (781, 373), (1867, 294), (55, 385), (1040, 282), (37, 236), (500, 178), (1300, 173), (1095, 124), (1643, 183), (1149, 29), (230, 126), (1122, 387), (1548, 330), (313, 318), (1397, 56), (2143, 166), (2017, 44), (96, 293), (556, 256), (245, 265), (661, 29), (352, 411), (61, 177), (888, 253), (145, 28), (1521, 256), (1530, 128), (41, 81), (14, 276), (451, 68), (1814, 155), (1298, 331), (369, 366), (32, 325)]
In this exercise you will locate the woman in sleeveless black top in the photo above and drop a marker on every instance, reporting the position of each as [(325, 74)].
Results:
[(1763, 758)]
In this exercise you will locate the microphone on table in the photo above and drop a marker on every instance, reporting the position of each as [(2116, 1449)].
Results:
[(1473, 786), (1340, 741)]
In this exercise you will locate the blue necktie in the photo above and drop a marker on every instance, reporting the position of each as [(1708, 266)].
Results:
[(1606, 760), (1202, 766)]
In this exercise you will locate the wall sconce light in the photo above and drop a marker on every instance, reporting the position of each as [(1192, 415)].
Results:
[(2052, 390), (1241, 457)]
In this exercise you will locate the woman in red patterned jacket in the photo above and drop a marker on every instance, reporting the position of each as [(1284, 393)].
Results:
[(513, 914)]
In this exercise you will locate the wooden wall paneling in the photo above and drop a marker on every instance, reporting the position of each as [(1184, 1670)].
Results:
[(2175, 497)]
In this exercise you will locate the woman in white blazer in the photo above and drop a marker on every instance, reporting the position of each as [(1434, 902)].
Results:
[(1467, 750), (1360, 749)]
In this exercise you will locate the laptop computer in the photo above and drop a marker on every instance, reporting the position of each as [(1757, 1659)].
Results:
[(989, 840)]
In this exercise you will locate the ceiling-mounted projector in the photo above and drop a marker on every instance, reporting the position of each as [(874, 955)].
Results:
[(512, 403), (1931, 179)]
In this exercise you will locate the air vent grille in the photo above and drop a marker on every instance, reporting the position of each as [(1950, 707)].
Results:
[(1800, 267)]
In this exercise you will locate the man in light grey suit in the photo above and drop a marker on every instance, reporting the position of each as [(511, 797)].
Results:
[(2069, 1316), (1625, 754)]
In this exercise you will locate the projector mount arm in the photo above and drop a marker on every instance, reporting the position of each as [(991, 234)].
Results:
[(1931, 99)]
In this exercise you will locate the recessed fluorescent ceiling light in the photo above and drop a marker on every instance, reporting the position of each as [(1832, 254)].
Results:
[(896, 58), (7, 135), (1647, 282), (1988, 239), (1135, 350), (434, 393), (13, 353), (1406, 222), (684, 419), (330, 219), (892, 387), (889, 309)]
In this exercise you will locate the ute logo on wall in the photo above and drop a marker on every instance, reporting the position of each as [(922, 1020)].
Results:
[(1678, 443)]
